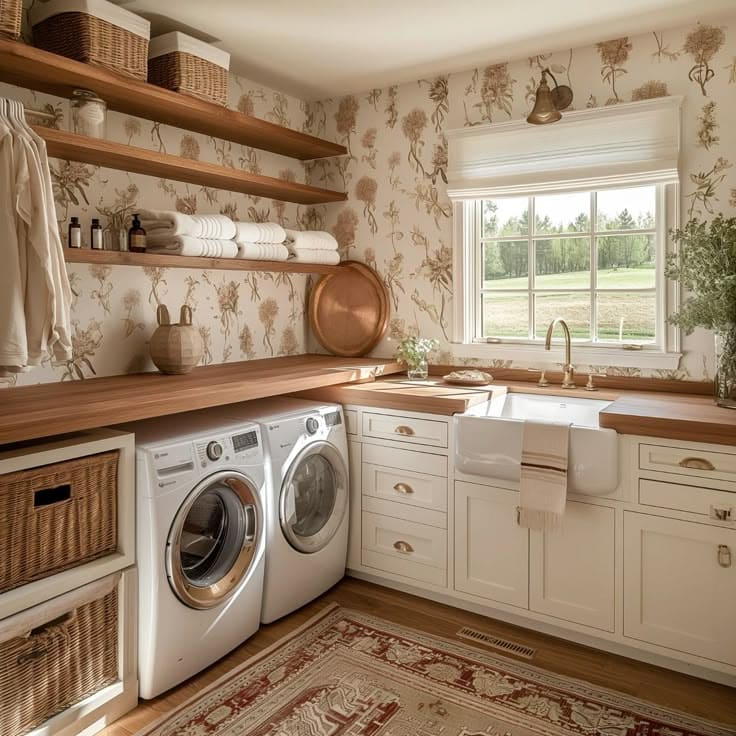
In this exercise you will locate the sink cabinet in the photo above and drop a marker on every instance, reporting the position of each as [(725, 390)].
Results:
[(636, 571), (491, 549)]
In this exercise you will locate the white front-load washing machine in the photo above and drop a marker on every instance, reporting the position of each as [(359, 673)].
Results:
[(201, 531), (307, 507)]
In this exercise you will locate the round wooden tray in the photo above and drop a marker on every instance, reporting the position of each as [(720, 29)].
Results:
[(349, 310)]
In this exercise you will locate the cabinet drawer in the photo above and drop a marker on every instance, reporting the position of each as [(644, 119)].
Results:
[(410, 460), (405, 486), (405, 429), (404, 541), (351, 421), (404, 511), (697, 463), (716, 505)]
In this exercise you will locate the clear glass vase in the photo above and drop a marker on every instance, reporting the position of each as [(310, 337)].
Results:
[(725, 378), (418, 371)]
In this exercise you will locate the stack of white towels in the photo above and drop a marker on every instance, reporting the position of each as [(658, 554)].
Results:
[(217, 236)]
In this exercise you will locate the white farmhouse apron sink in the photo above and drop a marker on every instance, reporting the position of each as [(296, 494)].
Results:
[(488, 439)]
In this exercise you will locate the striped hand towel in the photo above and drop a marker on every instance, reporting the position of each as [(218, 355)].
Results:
[(310, 239), (168, 222), (184, 245), (543, 489), (262, 251)]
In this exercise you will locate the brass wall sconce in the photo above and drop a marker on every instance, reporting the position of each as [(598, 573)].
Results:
[(549, 102)]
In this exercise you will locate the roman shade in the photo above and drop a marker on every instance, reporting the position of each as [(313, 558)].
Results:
[(619, 145)]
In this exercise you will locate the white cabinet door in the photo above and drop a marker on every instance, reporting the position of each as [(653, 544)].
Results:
[(680, 585), (491, 549), (571, 569), (355, 508)]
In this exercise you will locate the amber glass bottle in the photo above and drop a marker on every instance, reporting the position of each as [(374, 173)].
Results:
[(136, 237)]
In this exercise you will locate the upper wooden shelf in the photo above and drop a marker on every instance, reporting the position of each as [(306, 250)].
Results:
[(29, 412), (61, 144), (30, 67), (120, 258)]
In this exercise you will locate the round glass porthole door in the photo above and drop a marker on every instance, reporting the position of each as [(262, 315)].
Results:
[(314, 498), (214, 540)]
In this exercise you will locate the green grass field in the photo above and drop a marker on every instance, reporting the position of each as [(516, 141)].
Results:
[(507, 315)]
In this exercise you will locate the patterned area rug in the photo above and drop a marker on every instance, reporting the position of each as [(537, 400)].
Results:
[(348, 674)]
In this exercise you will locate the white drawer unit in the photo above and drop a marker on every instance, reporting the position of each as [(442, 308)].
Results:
[(403, 428), (405, 486), (680, 585), (698, 463), (410, 460), (405, 548), (717, 506)]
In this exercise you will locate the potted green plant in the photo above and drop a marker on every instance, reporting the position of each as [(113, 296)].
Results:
[(705, 265), (414, 351)]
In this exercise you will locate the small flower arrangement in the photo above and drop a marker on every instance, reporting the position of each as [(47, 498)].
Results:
[(414, 351)]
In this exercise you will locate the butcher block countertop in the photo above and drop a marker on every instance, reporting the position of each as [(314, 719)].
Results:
[(687, 417), (30, 412)]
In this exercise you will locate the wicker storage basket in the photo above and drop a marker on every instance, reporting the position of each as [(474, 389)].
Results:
[(55, 663), (93, 33), (57, 516), (10, 15), (184, 64)]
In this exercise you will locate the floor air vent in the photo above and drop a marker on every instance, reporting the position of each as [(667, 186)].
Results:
[(510, 647)]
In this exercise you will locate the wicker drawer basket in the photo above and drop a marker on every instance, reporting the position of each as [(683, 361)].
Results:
[(56, 654), (94, 32), (10, 16), (56, 517), (183, 64)]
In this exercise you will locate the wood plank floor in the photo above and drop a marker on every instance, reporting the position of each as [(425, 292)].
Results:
[(657, 685)]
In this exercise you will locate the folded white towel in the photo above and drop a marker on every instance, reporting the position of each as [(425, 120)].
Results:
[(168, 222), (311, 239), (315, 255), (543, 487), (262, 251), (259, 232), (184, 245)]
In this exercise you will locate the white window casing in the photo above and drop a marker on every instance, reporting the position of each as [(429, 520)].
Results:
[(618, 146)]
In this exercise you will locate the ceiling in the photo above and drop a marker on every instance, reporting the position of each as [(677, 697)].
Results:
[(316, 49)]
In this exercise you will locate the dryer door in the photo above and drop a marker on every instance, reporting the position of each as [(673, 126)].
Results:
[(314, 497), (215, 539)]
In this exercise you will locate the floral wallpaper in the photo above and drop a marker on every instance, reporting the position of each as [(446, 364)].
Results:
[(240, 315), (398, 218)]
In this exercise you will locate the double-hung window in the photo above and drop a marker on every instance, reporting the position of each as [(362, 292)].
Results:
[(593, 258), (569, 220)]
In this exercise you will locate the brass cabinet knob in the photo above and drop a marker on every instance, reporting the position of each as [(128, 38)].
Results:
[(724, 555)]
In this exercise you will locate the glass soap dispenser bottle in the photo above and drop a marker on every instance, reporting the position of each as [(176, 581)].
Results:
[(136, 237), (75, 233)]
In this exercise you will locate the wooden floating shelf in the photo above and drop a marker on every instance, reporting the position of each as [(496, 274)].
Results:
[(98, 152), (119, 258), (30, 67)]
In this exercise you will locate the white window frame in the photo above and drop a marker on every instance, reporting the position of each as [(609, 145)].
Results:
[(664, 355)]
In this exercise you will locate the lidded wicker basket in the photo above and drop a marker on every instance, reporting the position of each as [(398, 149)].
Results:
[(184, 64), (10, 18), (55, 654), (56, 517), (94, 32)]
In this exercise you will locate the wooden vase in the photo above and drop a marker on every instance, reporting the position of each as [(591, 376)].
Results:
[(176, 348)]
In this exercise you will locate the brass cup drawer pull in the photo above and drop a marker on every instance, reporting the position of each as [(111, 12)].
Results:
[(721, 513), (696, 463), (403, 429), (404, 547), (724, 555), (404, 488)]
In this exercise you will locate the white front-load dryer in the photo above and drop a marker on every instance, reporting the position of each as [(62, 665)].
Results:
[(201, 530), (307, 510)]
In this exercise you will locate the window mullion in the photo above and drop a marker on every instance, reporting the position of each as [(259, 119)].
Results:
[(532, 328), (593, 267)]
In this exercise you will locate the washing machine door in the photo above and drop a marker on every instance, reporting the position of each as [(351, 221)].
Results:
[(314, 497), (214, 540)]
